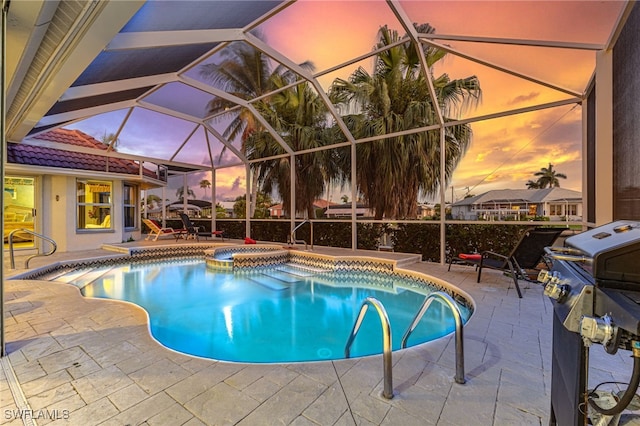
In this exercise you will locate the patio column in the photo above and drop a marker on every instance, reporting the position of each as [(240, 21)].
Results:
[(354, 199), (185, 194), (214, 211), (443, 207), (604, 139), (3, 135), (247, 199), (292, 193)]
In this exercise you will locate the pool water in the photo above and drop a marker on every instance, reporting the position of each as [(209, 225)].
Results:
[(267, 316)]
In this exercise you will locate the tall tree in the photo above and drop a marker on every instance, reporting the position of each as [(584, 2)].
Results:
[(180, 193), (262, 211), (110, 139), (393, 172), (533, 184), (153, 201), (204, 184), (548, 177), (297, 114)]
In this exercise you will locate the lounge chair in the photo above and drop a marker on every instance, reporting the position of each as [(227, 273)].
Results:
[(106, 223), (526, 255), (198, 231), (158, 231)]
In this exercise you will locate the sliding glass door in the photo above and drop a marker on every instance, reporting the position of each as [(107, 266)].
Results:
[(19, 209)]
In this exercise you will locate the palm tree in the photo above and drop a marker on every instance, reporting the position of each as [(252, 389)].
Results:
[(549, 177), (152, 200), (393, 172), (533, 184), (180, 193), (204, 184), (110, 138), (297, 114)]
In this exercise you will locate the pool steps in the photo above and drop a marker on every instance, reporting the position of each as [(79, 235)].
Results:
[(80, 277), (283, 276), (270, 282)]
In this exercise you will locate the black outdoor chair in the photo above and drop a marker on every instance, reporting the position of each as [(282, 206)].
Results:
[(526, 255), (193, 230)]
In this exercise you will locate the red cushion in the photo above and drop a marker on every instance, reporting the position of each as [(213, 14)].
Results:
[(248, 240), (470, 256)]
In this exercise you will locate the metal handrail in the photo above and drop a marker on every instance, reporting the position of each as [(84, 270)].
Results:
[(292, 237), (447, 300), (386, 341), (35, 234)]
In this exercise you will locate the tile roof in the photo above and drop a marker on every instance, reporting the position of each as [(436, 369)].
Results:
[(51, 157)]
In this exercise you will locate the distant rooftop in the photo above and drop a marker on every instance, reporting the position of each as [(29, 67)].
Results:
[(522, 195)]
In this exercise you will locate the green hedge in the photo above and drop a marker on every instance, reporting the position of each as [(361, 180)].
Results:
[(419, 237)]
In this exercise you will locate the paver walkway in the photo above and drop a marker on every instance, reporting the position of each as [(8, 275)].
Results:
[(87, 361)]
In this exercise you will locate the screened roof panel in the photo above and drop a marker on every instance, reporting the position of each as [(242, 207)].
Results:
[(180, 98), (588, 21), (125, 64), (543, 63), (153, 134), (102, 124), (97, 100), (164, 15), (330, 38), (521, 93)]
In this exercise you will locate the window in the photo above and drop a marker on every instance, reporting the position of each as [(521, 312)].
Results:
[(94, 204), (130, 205), (555, 210), (572, 209)]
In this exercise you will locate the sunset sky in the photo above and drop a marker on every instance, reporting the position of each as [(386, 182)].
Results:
[(505, 152)]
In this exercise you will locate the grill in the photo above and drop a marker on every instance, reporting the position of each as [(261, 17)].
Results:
[(594, 285)]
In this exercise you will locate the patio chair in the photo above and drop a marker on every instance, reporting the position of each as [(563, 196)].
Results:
[(196, 232), (525, 256), (158, 231)]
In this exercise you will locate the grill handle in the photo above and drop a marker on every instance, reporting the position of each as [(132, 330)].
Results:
[(568, 255)]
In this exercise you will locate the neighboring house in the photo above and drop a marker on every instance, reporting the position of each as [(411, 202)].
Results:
[(426, 210), (362, 210), (89, 199), (195, 208), (277, 211), (344, 210), (228, 208), (555, 203)]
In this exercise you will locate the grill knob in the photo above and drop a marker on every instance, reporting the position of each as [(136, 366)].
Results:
[(554, 286), (596, 330)]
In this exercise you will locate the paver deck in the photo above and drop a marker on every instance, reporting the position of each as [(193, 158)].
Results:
[(85, 362)]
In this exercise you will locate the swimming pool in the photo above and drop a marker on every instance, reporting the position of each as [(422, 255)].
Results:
[(267, 315)]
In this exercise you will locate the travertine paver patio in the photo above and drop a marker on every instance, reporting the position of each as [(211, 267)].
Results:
[(90, 361)]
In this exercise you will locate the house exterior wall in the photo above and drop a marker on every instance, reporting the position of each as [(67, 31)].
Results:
[(59, 201), (555, 211)]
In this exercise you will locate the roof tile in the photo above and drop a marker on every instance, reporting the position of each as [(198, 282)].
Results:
[(52, 157)]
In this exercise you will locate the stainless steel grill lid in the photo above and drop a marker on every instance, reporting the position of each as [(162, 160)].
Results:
[(615, 251)]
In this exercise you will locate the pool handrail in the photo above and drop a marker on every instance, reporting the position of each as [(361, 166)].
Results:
[(386, 341), (35, 234), (457, 316), (292, 237)]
